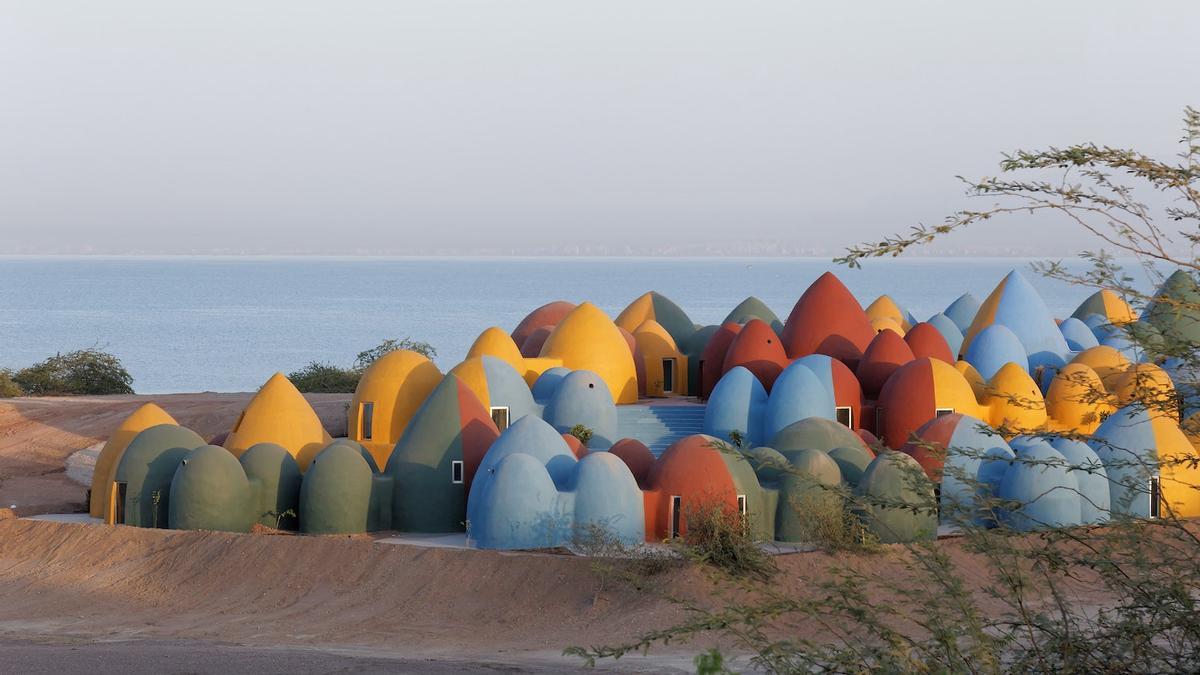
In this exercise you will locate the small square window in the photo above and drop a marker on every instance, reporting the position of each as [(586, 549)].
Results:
[(500, 418), (845, 416), (456, 471), (741, 499), (940, 412)]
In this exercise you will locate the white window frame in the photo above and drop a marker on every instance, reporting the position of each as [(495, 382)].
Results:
[(849, 414), (507, 415), (365, 426), (938, 412), (456, 467), (743, 505)]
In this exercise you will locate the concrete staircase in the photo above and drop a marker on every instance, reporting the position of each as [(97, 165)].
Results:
[(658, 425)]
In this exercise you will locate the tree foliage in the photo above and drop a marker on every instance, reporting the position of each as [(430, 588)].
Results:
[(82, 372), (327, 378)]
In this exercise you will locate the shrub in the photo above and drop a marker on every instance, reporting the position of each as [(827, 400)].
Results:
[(82, 372), (325, 378), (8, 388), (583, 433), (719, 536)]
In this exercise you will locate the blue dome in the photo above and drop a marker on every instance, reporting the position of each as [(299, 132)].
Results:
[(1077, 334), (949, 330), (548, 382), (507, 388), (534, 437), (1101, 327), (583, 398), (1047, 492), (738, 403), (993, 347), (797, 394), (962, 311), (1089, 471), (607, 498), (514, 504), (1126, 445), (971, 444)]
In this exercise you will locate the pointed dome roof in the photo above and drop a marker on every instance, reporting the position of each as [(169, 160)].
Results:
[(753, 308), (886, 353), (962, 311), (1109, 364), (827, 320), (1016, 305), (1076, 399), (279, 414), (1015, 400), (884, 307), (993, 347), (915, 393), (758, 349), (588, 340), (146, 416), (1175, 309), (949, 330), (926, 340), (1107, 304), (654, 306), (548, 314), (495, 342)]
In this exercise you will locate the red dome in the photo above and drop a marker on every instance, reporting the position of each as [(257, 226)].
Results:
[(532, 347), (926, 340), (907, 401), (935, 437), (868, 438), (693, 470), (636, 456), (575, 445), (828, 320), (847, 391), (886, 353), (546, 315), (639, 362), (757, 349), (712, 360)]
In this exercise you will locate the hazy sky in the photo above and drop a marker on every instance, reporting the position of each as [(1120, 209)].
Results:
[(395, 126)]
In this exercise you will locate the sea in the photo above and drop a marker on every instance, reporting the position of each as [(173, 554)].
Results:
[(191, 324)]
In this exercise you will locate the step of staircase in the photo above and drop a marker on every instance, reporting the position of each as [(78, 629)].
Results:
[(660, 425)]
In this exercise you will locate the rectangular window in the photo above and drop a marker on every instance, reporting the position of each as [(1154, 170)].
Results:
[(1155, 497), (845, 416), (456, 471), (879, 422), (938, 412), (668, 376), (696, 386), (742, 505), (120, 491), (676, 508), (500, 417), (368, 420)]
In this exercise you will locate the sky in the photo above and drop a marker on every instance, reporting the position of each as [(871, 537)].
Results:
[(395, 128)]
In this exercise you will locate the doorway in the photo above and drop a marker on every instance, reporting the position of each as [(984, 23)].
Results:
[(668, 368)]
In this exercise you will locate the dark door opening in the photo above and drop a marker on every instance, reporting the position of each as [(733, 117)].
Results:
[(845, 416), (676, 507), (368, 421), (120, 490), (1155, 498), (668, 385)]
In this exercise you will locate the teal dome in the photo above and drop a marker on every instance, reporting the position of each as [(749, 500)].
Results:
[(210, 492), (147, 467), (896, 499), (808, 492), (335, 497), (274, 485)]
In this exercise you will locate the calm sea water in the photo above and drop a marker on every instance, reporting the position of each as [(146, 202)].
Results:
[(227, 324)]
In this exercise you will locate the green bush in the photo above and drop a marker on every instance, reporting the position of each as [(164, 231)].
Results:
[(326, 378), (8, 388), (82, 372), (718, 535)]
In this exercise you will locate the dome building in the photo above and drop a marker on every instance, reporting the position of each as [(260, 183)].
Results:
[(388, 394), (142, 480), (100, 499), (827, 319), (279, 414)]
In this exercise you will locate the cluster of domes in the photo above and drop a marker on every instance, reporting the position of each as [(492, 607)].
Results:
[(969, 414)]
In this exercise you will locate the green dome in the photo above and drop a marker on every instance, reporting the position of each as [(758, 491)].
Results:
[(753, 308), (768, 463), (210, 492), (853, 460), (358, 446), (1175, 310), (274, 485), (896, 499), (814, 433), (808, 496), (147, 467), (335, 496)]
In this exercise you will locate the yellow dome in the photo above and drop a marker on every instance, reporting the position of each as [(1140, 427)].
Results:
[(1108, 363), (279, 414), (953, 391), (1014, 400), (887, 323), (1191, 428), (638, 312), (886, 308), (655, 345), (586, 339), (394, 387), (1149, 385), (973, 378), (472, 374), (1076, 400), (143, 418), (1180, 474), (495, 342), (1115, 308)]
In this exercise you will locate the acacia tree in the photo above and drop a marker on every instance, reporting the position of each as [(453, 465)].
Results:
[(1117, 598)]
